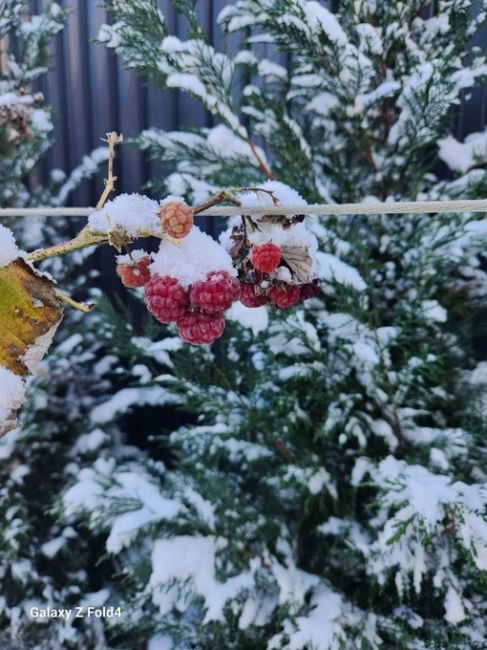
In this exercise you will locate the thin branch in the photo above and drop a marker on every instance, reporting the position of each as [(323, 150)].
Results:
[(85, 237), (112, 140), (262, 165)]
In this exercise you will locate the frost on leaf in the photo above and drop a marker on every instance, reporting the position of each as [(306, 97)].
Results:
[(29, 314)]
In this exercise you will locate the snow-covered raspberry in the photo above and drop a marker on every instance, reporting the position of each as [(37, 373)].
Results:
[(215, 294), (266, 258), (176, 218), (310, 290), (197, 328), (285, 296), (249, 298), (166, 299), (134, 274)]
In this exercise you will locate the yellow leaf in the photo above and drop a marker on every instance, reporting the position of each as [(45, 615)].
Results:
[(29, 314), (29, 308)]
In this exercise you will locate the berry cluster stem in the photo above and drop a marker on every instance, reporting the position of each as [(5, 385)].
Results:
[(87, 238)]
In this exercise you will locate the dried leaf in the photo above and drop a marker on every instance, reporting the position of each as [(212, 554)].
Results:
[(29, 315), (239, 250), (299, 261)]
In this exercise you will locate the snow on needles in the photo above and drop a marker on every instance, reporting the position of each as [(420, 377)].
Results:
[(193, 259), (134, 214), (8, 248)]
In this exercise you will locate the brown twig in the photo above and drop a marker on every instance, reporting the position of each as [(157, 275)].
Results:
[(262, 166), (112, 140), (85, 237)]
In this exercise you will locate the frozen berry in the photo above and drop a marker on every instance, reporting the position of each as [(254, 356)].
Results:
[(266, 258), (135, 274), (166, 299), (215, 294), (285, 296), (310, 290), (176, 218), (249, 298), (197, 328)]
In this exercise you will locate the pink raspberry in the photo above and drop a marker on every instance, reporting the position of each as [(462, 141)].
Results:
[(134, 275), (197, 328), (310, 290), (249, 298), (215, 294), (176, 218), (266, 258), (166, 299), (285, 296)]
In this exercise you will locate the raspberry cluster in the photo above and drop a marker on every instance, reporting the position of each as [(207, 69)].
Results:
[(197, 310), (261, 284)]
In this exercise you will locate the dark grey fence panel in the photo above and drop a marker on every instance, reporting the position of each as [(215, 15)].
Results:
[(91, 95)]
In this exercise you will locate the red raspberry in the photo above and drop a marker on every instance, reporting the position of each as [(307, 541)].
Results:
[(197, 328), (285, 296), (310, 290), (266, 258), (166, 299), (176, 218), (249, 298), (134, 275), (215, 294)]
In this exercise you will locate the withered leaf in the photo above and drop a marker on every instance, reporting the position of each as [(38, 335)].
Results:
[(29, 308), (299, 261)]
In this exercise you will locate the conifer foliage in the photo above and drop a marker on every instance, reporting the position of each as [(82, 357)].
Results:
[(328, 490)]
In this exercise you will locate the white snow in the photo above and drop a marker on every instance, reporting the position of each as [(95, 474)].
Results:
[(434, 312), (462, 156), (51, 548), (454, 610), (14, 98), (126, 398), (88, 442), (192, 559), (133, 214), (126, 527), (227, 144), (8, 248), (385, 89), (134, 257), (255, 318), (193, 259), (331, 268), (321, 19), (37, 350), (283, 194), (318, 481), (160, 642), (41, 121), (12, 394)]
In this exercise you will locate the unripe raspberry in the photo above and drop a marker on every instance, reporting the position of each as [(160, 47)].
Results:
[(285, 296), (134, 275), (197, 328), (166, 299), (215, 294), (310, 290), (249, 298), (266, 258), (176, 218)]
